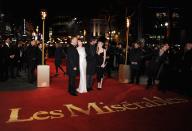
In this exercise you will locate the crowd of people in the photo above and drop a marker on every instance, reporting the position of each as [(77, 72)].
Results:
[(19, 56), (164, 64)]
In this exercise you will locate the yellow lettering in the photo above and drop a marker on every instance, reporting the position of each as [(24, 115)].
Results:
[(182, 100), (118, 107), (108, 109), (56, 114), (41, 115), (176, 100), (14, 116), (73, 108), (138, 105), (156, 102), (129, 106), (147, 104)]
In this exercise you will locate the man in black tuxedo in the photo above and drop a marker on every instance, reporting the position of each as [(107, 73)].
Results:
[(91, 61), (72, 65)]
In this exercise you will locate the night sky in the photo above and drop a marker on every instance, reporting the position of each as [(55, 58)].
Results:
[(30, 9)]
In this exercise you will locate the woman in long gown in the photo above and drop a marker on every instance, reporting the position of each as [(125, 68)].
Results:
[(82, 66), (101, 63)]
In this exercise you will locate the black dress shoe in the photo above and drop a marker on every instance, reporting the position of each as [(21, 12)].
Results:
[(73, 94), (89, 89)]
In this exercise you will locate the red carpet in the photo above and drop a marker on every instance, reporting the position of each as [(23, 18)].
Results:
[(117, 107)]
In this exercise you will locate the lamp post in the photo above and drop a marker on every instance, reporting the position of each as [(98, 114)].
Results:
[(43, 16), (127, 38), (43, 71), (84, 35), (167, 30), (124, 69)]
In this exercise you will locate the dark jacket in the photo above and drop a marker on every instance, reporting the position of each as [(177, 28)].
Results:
[(72, 59), (58, 56), (5, 55), (31, 55), (157, 64), (38, 56), (91, 58), (136, 55)]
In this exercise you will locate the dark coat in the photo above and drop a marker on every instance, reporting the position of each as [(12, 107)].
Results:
[(39, 56), (136, 55), (58, 56), (31, 55), (187, 61), (157, 64), (91, 58), (72, 60), (5, 55)]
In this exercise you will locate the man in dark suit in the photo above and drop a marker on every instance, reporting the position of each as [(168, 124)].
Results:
[(31, 56), (72, 65), (91, 61), (12, 60), (5, 58), (1, 62)]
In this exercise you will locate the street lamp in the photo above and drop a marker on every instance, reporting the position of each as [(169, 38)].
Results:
[(167, 29), (43, 71), (124, 69), (43, 16), (127, 38), (84, 35), (166, 24)]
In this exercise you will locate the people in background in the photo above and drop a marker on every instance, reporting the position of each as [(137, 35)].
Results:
[(135, 57), (58, 58), (31, 57), (6, 58), (155, 66)]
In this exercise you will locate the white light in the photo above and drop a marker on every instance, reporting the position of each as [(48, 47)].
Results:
[(43, 14), (2, 15), (161, 24), (166, 23), (127, 22), (155, 26), (33, 34), (113, 32)]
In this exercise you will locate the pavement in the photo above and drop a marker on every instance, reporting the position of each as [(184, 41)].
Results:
[(18, 83)]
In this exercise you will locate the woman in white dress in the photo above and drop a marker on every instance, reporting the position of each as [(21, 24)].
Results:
[(82, 66)]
